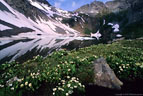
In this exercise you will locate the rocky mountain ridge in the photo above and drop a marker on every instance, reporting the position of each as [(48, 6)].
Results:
[(126, 13), (97, 7)]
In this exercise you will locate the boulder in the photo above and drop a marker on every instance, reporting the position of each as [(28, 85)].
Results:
[(104, 76)]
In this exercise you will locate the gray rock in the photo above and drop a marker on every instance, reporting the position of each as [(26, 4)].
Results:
[(93, 9), (104, 76), (97, 7), (117, 6)]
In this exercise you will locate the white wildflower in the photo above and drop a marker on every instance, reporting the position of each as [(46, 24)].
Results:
[(70, 91), (68, 85), (68, 77), (19, 80), (69, 69), (73, 78), (59, 88), (62, 80), (75, 86), (83, 86), (26, 83), (1, 85), (10, 84), (12, 88), (67, 94), (30, 84), (21, 85), (79, 84), (54, 89)]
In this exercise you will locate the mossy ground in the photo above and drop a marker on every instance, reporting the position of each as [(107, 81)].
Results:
[(65, 72)]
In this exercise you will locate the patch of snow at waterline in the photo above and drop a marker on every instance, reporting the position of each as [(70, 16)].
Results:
[(115, 27), (76, 38), (3, 27), (96, 35), (104, 22), (110, 24), (119, 35)]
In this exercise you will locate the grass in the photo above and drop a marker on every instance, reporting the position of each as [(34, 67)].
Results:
[(66, 72)]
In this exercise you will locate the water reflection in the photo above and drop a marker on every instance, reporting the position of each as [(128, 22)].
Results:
[(25, 48)]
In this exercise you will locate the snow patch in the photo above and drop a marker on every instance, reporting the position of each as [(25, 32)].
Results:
[(110, 24), (116, 27), (119, 35), (3, 27), (96, 35)]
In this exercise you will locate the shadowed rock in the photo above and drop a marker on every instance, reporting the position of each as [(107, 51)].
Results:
[(104, 76)]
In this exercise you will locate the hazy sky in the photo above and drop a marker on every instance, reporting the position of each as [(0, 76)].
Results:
[(71, 5)]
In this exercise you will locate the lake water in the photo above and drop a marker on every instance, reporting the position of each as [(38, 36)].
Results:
[(21, 49)]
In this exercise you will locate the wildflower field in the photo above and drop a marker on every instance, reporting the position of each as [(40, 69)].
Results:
[(66, 73)]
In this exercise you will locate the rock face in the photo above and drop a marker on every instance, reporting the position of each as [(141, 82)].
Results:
[(93, 9), (126, 13), (117, 5), (99, 7), (104, 75)]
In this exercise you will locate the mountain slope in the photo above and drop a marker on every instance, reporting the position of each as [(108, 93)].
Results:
[(98, 16), (24, 18)]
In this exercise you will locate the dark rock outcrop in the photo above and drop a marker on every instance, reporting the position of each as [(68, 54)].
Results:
[(24, 7)]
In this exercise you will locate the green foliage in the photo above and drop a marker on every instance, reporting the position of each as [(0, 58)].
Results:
[(118, 17), (87, 31), (68, 86), (133, 30), (69, 21), (67, 71)]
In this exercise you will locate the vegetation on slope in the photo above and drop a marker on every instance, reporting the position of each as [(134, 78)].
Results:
[(65, 73)]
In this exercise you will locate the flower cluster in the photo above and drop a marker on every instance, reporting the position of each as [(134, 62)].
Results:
[(66, 87), (35, 75)]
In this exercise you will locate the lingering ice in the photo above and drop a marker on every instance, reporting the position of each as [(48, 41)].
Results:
[(116, 27), (110, 24), (119, 35), (3, 27), (96, 35)]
